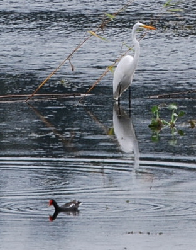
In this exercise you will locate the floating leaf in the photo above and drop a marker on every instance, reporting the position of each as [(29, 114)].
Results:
[(181, 132), (94, 34), (175, 114), (181, 113), (110, 16), (172, 107), (175, 10), (111, 68)]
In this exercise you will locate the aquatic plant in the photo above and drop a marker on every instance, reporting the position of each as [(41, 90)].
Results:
[(157, 123)]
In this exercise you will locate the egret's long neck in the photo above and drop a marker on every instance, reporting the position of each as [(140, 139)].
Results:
[(136, 47)]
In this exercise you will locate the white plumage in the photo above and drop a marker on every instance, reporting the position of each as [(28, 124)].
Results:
[(124, 72)]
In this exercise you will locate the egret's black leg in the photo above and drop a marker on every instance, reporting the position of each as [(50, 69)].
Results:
[(119, 101), (119, 94)]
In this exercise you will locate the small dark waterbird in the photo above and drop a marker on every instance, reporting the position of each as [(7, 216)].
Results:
[(70, 207), (124, 72)]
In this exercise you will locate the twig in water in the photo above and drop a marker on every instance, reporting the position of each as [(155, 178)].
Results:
[(173, 95)]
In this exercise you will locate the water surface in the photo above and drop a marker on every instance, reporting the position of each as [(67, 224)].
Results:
[(136, 194)]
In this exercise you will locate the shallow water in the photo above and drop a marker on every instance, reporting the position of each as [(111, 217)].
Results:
[(136, 194)]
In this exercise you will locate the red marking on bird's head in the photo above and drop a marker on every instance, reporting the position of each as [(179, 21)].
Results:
[(50, 202)]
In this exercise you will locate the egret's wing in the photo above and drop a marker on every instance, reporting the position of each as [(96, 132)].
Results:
[(123, 75)]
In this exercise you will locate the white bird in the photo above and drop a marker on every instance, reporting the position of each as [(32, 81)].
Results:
[(124, 72)]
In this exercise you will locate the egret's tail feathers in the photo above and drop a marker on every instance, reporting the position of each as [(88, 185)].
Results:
[(118, 92)]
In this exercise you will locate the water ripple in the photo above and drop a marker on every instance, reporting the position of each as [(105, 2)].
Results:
[(46, 178)]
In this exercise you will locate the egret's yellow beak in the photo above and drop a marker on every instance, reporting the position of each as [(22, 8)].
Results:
[(148, 27)]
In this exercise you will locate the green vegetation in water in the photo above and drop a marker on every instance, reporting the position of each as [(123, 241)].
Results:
[(171, 5), (157, 124)]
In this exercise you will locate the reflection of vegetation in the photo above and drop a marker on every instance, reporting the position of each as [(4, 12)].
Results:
[(157, 124)]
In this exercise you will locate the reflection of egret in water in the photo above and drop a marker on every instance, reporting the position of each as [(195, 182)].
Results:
[(125, 134)]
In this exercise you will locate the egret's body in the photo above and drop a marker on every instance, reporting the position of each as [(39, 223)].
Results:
[(123, 75)]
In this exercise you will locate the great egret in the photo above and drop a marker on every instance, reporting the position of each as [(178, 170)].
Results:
[(124, 72)]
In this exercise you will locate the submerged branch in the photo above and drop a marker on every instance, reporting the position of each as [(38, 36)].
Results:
[(173, 95), (22, 98)]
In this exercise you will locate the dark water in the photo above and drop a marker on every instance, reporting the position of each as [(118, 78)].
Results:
[(136, 194)]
